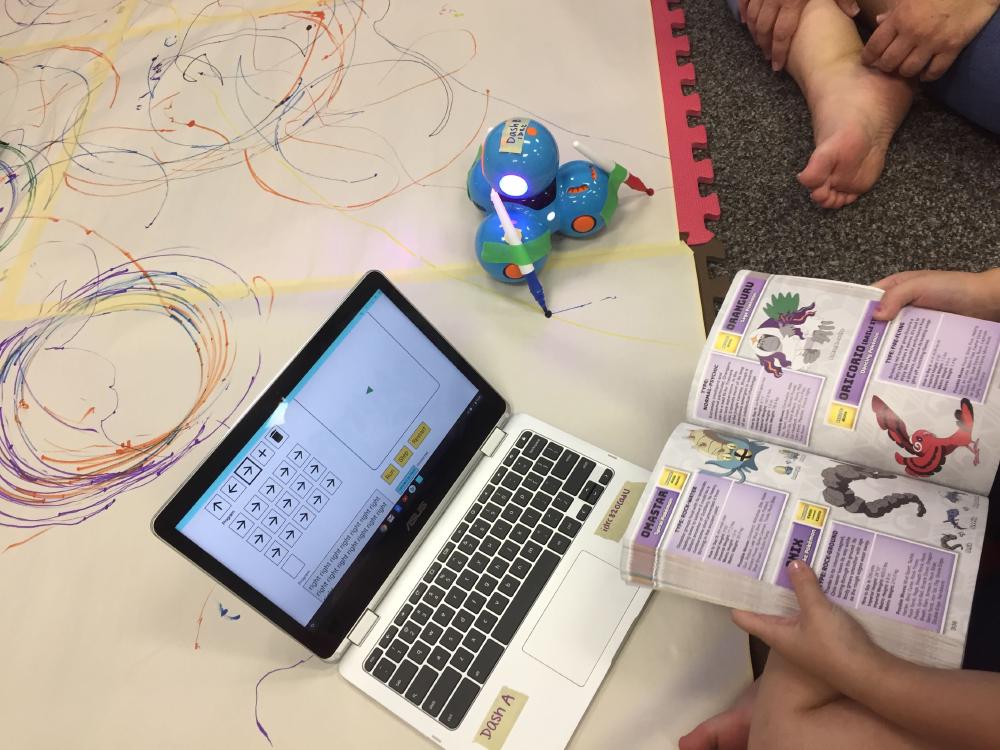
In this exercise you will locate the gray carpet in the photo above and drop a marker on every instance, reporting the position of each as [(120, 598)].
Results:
[(936, 206)]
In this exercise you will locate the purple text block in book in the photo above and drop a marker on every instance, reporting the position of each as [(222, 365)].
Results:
[(908, 582)]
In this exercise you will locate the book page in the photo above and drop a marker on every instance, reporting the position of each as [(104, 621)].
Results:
[(723, 515), (802, 362)]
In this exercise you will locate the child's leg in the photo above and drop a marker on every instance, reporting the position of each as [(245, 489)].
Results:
[(795, 710), (855, 110)]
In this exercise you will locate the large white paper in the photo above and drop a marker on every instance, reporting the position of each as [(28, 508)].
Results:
[(187, 190)]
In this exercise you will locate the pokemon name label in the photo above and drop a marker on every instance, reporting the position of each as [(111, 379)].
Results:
[(616, 520), (857, 369)]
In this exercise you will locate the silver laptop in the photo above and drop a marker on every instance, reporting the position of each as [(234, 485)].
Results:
[(380, 504)]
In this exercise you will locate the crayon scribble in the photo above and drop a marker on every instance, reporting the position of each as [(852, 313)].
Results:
[(17, 186), (308, 106), (256, 698), (27, 539), (68, 448), (201, 619), (585, 304), (224, 613)]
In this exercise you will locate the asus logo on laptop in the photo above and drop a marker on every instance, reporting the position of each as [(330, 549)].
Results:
[(417, 512)]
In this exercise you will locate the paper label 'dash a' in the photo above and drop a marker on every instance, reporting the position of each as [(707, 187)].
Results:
[(500, 718)]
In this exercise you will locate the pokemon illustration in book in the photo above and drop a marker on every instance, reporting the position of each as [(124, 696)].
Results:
[(927, 452)]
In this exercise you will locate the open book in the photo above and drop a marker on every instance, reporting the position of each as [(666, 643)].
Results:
[(817, 433)]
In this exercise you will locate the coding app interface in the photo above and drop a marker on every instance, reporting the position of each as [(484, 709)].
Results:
[(291, 512)]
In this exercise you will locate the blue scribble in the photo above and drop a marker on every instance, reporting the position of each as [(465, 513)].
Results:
[(223, 612)]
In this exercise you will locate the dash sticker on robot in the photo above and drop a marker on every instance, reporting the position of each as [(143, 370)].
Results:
[(500, 718), (512, 135)]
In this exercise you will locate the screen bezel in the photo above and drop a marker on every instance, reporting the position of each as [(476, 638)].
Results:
[(364, 584)]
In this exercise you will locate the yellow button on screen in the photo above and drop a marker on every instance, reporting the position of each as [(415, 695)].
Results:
[(390, 473), (419, 435), (404, 455)]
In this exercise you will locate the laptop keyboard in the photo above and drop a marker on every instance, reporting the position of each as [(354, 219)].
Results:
[(446, 639)]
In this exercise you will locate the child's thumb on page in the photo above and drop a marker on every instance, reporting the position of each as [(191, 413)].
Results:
[(806, 585), (895, 299)]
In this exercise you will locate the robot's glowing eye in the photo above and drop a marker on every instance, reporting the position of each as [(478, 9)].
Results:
[(514, 185), (550, 216)]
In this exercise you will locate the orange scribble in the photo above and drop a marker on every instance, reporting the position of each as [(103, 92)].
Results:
[(25, 541), (164, 100), (88, 231), (44, 106), (309, 15), (196, 124), (98, 53), (267, 188), (201, 616)]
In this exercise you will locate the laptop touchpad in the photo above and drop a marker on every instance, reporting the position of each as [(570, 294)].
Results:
[(578, 623)]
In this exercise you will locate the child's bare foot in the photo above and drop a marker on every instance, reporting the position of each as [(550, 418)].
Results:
[(855, 112), (726, 731)]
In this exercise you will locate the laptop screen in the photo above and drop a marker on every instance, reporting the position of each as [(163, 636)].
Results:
[(338, 464)]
